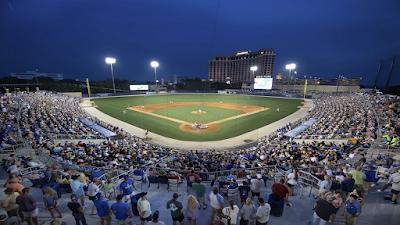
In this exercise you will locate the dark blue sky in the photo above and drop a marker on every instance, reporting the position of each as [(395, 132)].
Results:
[(73, 37)]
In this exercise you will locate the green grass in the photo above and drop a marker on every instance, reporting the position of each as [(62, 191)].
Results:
[(232, 128)]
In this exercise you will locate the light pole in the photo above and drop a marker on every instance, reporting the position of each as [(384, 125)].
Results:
[(253, 68), (111, 61), (295, 80), (290, 67), (155, 64)]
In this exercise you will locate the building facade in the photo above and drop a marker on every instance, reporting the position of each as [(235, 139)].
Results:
[(236, 68), (29, 75)]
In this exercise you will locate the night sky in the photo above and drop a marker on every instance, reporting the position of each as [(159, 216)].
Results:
[(324, 38)]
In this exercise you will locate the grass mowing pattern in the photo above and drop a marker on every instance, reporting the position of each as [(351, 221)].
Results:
[(115, 106)]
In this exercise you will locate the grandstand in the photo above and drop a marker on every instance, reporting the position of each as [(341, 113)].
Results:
[(46, 127)]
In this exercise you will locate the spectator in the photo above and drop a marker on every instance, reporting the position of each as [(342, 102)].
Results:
[(47, 173), (359, 177), (27, 203), (262, 214), (216, 221), (369, 178), (279, 190), (77, 190), (109, 185), (244, 192), (192, 177), (144, 208), (9, 204), (256, 185), (248, 211), (51, 202), (361, 162), (216, 202), (192, 210), (347, 185), (77, 211), (103, 209), (122, 211), (324, 211), (4, 220), (93, 189), (126, 188), (200, 190), (13, 168), (291, 181), (395, 189), (15, 185), (176, 207), (324, 187), (34, 175), (140, 172), (232, 211), (155, 220), (353, 209)]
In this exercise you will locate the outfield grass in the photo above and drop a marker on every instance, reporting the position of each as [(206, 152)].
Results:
[(115, 106)]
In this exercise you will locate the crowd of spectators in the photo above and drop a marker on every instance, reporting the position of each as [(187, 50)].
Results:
[(45, 115)]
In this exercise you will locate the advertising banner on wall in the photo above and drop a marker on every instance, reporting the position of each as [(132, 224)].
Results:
[(138, 87)]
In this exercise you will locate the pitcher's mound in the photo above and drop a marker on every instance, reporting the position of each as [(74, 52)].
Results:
[(197, 112), (205, 129)]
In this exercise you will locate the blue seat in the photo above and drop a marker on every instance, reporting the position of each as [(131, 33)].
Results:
[(153, 180)]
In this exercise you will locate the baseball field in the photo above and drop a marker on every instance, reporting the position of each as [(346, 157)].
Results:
[(198, 117)]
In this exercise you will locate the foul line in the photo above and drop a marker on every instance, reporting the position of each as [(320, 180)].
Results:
[(211, 123)]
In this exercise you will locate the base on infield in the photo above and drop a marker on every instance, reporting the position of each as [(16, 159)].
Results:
[(197, 112), (204, 129)]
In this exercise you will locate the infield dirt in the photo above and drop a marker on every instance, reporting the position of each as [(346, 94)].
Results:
[(189, 127)]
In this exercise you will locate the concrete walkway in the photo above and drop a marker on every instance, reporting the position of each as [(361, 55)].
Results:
[(227, 143)]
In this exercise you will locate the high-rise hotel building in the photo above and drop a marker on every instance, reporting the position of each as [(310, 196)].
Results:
[(236, 68)]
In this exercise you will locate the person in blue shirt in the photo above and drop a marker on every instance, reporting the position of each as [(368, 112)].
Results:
[(139, 172), (353, 210), (103, 209), (370, 178), (126, 188), (122, 211), (347, 185)]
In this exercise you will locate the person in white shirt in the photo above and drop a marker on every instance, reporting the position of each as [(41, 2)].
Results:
[(291, 181), (262, 214), (216, 202), (93, 189)]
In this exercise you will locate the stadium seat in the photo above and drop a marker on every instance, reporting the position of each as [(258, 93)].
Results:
[(173, 183)]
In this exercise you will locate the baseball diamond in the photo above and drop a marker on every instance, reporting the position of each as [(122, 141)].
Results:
[(177, 115)]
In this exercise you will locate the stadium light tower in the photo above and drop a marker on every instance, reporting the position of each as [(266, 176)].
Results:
[(155, 64), (290, 67), (253, 68), (111, 61)]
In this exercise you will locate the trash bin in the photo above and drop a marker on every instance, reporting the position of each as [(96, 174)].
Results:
[(55, 186), (134, 201), (277, 204)]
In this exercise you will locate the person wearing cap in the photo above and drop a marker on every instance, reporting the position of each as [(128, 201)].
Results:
[(353, 209), (143, 207), (27, 203), (370, 178), (200, 192), (103, 209), (347, 185), (126, 188), (9, 204), (77, 189), (77, 211), (122, 211), (216, 203), (324, 211), (175, 207), (4, 220), (155, 220), (256, 185)]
